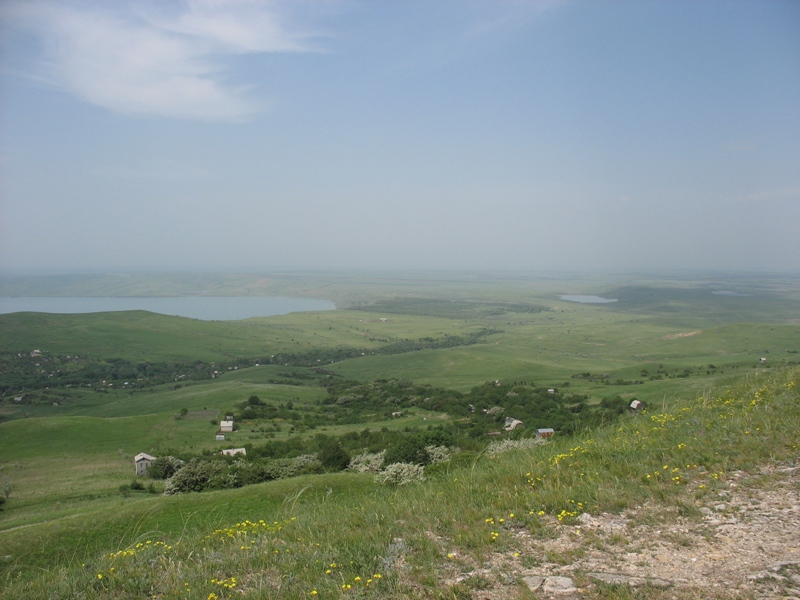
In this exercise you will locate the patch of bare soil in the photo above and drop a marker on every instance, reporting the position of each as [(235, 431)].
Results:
[(675, 336), (742, 541)]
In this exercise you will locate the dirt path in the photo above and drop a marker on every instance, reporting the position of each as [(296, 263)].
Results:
[(743, 541)]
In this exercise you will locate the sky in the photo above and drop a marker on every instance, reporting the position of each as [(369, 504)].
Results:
[(253, 135)]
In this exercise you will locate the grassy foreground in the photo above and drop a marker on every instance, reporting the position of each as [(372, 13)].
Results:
[(343, 536)]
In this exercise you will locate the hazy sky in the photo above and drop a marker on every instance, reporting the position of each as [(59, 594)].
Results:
[(249, 135)]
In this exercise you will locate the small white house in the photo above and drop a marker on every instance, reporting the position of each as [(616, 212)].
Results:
[(545, 432), (226, 426), (636, 404), (142, 462), (220, 437)]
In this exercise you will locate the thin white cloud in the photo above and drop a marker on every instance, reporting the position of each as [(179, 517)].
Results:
[(163, 59), (238, 27)]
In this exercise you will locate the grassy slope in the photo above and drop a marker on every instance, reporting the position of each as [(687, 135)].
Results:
[(545, 347), (550, 349), (142, 336), (410, 535)]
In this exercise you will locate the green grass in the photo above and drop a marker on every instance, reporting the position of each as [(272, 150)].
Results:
[(551, 353), (145, 336), (67, 462), (406, 535), (117, 522)]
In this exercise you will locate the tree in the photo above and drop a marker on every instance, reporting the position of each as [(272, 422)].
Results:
[(164, 467), (334, 457), (409, 449)]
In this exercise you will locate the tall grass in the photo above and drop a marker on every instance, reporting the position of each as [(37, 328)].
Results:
[(382, 542)]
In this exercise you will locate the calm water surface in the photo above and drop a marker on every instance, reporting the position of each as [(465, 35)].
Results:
[(207, 308), (588, 299)]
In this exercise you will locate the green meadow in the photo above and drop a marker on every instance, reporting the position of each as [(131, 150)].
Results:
[(142, 382)]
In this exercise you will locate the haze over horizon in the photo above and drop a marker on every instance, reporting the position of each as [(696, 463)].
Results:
[(521, 135)]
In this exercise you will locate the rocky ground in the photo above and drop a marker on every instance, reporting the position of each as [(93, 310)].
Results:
[(741, 541)]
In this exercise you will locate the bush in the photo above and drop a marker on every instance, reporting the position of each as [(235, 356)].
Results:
[(438, 454), (407, 450), (299, 465), (368, 462), (400, 474), (7, 486), (277, 468), (195, 476), (333, 457), (507, 445), (414, 448), (164, 467)]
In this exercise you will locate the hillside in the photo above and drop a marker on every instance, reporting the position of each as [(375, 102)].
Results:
[(697, 501), (418, 369)]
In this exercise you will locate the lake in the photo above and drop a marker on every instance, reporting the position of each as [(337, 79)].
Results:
[(725, 293), (588, 299), (207, 308)]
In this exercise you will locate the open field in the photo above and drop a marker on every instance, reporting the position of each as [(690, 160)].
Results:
[(67, 448)]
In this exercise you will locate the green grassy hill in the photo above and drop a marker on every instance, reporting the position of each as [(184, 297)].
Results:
[(110, 385), (340, 535)]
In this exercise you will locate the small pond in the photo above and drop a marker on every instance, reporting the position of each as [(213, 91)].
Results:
[(588, 299)]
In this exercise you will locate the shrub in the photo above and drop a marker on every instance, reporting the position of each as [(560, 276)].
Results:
[(333, 457), (8, 486), (414, 448), (195, 476), (368, 462), (507, 445), (164, 467), (407, 450), (436, 437), (438, 454), (299, 465), (278, 468), (255, 401), (400, 474)]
